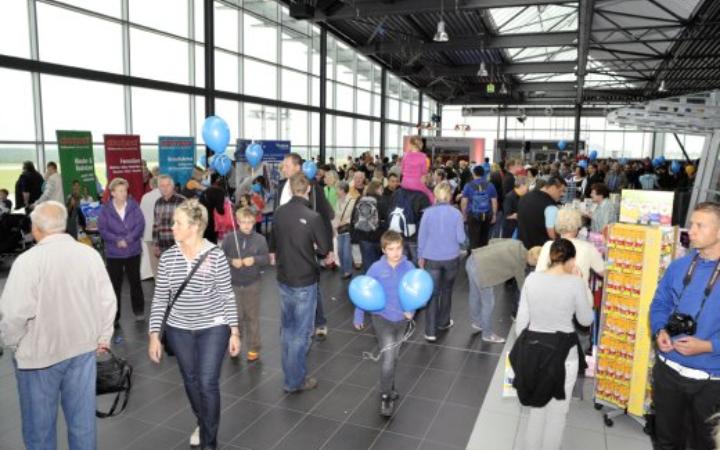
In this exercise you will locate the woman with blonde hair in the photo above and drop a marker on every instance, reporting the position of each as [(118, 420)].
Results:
[(194, 306), (441, 233), (121, 225), (567, 225)]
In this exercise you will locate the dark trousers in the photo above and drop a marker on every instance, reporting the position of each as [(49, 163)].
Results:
[(677, 398), (320, 319), (437, 311), (479, 230), (116, 267), (389, 336), (200, 355), (371, 252)]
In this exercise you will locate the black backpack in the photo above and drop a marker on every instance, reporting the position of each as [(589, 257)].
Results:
[(402, 217), (367, 217)]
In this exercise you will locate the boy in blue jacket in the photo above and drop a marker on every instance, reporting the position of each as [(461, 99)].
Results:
[(390, 323)]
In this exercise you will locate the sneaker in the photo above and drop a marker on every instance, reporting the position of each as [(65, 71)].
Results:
[(253, 356), (195, 438), (321, 332), (448, 326), (493, 339), (346, 276), (387, 405), (430, 338), (476, 328)]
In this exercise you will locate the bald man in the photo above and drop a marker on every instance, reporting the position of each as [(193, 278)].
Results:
[(56, 312)]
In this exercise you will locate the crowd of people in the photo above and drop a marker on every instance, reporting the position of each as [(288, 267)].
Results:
[(367, 215)]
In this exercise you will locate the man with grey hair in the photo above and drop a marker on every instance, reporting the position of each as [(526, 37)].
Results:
[(56, 312), (162, 234)]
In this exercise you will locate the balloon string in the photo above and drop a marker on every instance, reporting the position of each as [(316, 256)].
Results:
[(236, 227), (409, 331)]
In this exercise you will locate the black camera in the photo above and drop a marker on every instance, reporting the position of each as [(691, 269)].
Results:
[(679, 323)]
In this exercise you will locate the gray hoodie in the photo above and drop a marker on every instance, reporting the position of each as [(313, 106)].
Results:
[(253, 244)]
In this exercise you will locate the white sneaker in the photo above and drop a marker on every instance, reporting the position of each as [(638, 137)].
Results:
[(493, 339), (430, 338), (195, 438), (448, 326), (476, 328)]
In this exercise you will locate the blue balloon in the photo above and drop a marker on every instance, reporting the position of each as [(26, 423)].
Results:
[(593, 155), (216, 134), (366, 293), (656, 162), (309, 168), (675, 167), (256, 187), (416, 288), (583, 163), (222, 164), (254, 155), (661, 158), (562, 144)]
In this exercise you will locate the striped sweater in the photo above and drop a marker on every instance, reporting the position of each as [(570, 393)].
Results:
[(207, 301)]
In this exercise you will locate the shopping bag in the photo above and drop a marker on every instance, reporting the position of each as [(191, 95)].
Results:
[(508, 391)]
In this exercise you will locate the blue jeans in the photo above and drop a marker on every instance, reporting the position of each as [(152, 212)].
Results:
[(370, 252), (388, 334), (437, 311), (482, 299), (497, 227), (200, 355), (298, 305), (70, 382), (345, 252)]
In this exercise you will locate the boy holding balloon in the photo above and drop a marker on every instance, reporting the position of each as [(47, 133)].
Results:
[(383, 292)]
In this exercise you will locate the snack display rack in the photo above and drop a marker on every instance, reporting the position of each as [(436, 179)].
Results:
[(637, 257)]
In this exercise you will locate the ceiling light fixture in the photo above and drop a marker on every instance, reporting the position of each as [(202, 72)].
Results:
[(503, 89), (482, 71), (662, 87), (441, 35)]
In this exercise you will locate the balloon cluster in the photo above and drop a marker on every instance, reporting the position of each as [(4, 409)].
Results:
[(415, 290), (593, 155), (561, 144), (216, 134), (658, 161)]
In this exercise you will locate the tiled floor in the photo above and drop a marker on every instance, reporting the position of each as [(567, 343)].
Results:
[(442, 387), (502, 422)]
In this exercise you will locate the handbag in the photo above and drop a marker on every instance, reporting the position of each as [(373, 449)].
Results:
[(163, 325), (114, 376), (342, 229)]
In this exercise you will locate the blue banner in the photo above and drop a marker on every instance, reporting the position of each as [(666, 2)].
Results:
[(177, 157), (273, 154)]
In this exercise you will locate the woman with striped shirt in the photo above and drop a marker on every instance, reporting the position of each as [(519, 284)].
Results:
[(203, 321)]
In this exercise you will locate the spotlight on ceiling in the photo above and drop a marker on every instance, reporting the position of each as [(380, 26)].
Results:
[(482, 71), (662, 87), (441, 35)]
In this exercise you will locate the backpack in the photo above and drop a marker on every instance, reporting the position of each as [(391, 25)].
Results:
[(368, 217), (479, 200), (402, 218)]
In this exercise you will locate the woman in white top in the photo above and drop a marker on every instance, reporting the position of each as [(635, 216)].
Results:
[(587, 257), (341, 226), (548, 302)]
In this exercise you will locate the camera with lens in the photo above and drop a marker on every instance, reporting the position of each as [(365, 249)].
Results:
[(679, 323)]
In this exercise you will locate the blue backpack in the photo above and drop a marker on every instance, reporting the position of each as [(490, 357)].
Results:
[(479, 200)]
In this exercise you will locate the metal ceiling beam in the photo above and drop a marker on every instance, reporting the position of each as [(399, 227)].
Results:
[(558, 39), (532, 112), (585, 19), (498, 70), (379, 8)]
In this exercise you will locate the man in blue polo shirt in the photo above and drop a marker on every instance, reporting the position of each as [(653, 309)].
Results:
[(686, 376)]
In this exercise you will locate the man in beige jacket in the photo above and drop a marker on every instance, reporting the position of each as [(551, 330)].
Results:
[(56, 312)]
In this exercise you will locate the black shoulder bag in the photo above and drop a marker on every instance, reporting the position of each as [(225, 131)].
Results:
[(114, 376), (163, 326)]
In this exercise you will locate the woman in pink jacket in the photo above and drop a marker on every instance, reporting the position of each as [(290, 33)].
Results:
[(414, 167)]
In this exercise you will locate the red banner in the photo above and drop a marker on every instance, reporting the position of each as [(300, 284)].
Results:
[(122, 156)]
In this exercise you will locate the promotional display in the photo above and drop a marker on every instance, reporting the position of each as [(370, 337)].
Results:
[(75, 152), (272, 153), (122, 156), (637, 258), (646, 207), (177, 157)]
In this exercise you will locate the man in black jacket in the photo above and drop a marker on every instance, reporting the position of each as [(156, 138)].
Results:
[(292, 165), (299, 234)]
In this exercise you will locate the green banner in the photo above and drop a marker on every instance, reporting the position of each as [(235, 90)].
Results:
[(75, 151)]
